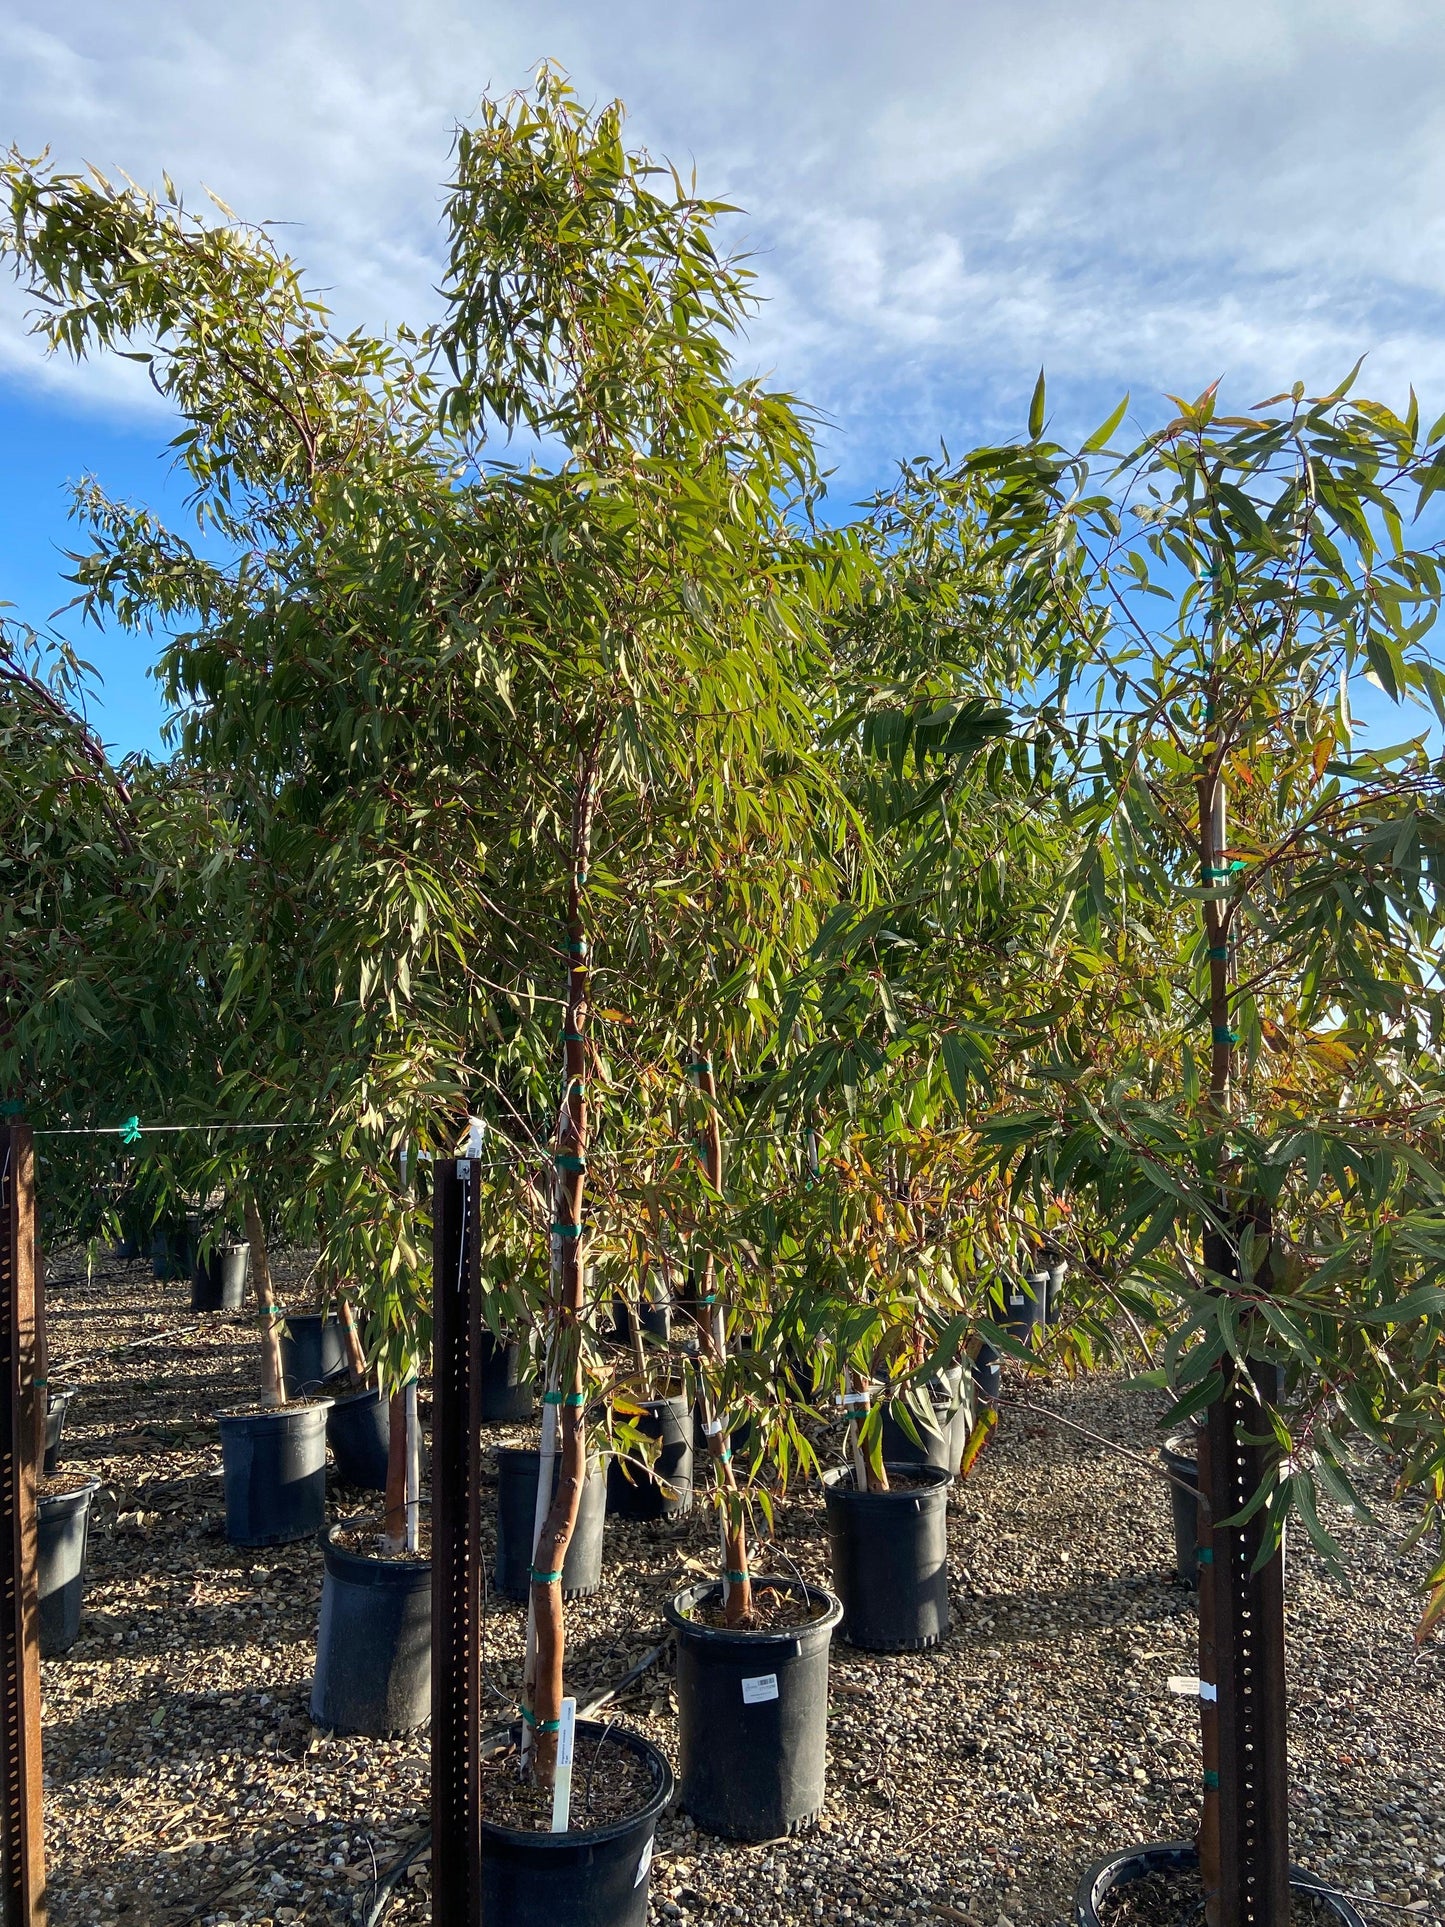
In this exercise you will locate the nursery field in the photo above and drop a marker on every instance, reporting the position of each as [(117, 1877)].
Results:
[(971, 1783)]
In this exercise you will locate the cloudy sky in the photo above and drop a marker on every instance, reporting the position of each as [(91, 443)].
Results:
[(941, 195)]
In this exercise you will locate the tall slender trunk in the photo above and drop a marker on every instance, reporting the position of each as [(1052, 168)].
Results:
[(273, 1389), (708, 1315), (393, 1524), (351, 1339), (42, 1354), (568, 1191)]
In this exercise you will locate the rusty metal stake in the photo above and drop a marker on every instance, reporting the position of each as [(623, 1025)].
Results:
[(22, 1827), (456, 1545)]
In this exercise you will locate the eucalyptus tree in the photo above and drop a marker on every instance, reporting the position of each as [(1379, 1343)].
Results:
[(1254, 876), (479, 715)]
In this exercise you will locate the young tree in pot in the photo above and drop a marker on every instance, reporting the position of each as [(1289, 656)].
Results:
[(594, 310), (1259, 870)]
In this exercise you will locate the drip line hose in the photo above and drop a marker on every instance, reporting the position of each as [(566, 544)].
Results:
[(385, 1884)]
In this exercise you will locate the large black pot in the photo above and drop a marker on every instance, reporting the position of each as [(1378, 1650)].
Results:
[(58, 1399), (890, 1558), (1178, 1856), (517, 1468), (358, 1430), (218, 1282), (663, 1492), (373, 1645), (172, 1251), (1179, 1460), (942, 1444), (274, 1468), (987, 1375), (1021, 1305), (588, 1876), (752, 1716), (312, 1350), (655, 1321), (507, 1397), (62, 1522)]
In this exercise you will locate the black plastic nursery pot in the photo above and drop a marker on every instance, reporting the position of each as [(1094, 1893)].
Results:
[(987, 1375), (358, 1429), (58, 1399), (752, 1715), (62, 1532), (663, 1491), (517, 1469), (373, 1644), (218, 1282), (941, 1446), (1183, 1464), (586, 1877), (274, 1470), (507, 1397), (655, 1321), (890, 1558), (1021, 1305), (1178, 1856), (172, 1249), (312, 1350)]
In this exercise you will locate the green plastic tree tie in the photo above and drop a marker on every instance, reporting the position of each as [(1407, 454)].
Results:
[(1211, 1778), (543, 1578), (567, 1230), (540, 1726), (1206, 1555), (1219, 952), (43, 1382), (704, 1065), (130, 1131), (11, 1107), (1222, 1034), (736, 1578), (570, 1161)]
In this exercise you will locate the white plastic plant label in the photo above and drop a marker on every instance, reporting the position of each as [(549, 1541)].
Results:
[(643, 1865), (764, 1687), (562, 1783)]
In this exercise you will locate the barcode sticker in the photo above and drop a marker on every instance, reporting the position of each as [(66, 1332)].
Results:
[(643, 1865), (764, 1687)]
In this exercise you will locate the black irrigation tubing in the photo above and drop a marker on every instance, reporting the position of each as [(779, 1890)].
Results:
[(370, 1913), (1150, 1465), (91, 1358)]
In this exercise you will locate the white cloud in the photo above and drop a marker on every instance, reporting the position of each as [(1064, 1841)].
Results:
[(942, 195)]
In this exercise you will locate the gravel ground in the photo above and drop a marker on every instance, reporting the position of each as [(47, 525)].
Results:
[(185, 1783)]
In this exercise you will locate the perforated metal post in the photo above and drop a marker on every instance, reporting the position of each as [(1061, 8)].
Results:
[(22, 1837), (1246, 1615), (456, 1547)]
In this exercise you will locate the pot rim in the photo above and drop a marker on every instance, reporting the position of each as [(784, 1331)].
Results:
[(826, 1623), (652, 1810), (373, 1561), (56, 1500), (935, 1476), (1104, 1875), (295, 1408)]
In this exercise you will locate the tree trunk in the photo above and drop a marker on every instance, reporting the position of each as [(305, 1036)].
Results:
[(42, 1355), (351, 1339), (393, 1523), (570, 1167), (273, 1389), (707, 1314)]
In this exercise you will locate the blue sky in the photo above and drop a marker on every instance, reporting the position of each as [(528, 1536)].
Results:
[(942, 195)]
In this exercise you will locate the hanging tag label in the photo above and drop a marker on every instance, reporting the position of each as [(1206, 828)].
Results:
[(644, 1866), (713, 1428), (464, 1170), (562, 1783), (1202, 1689), (764, 1687)]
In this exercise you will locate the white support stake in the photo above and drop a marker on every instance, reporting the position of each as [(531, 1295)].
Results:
[(562, 1781)]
